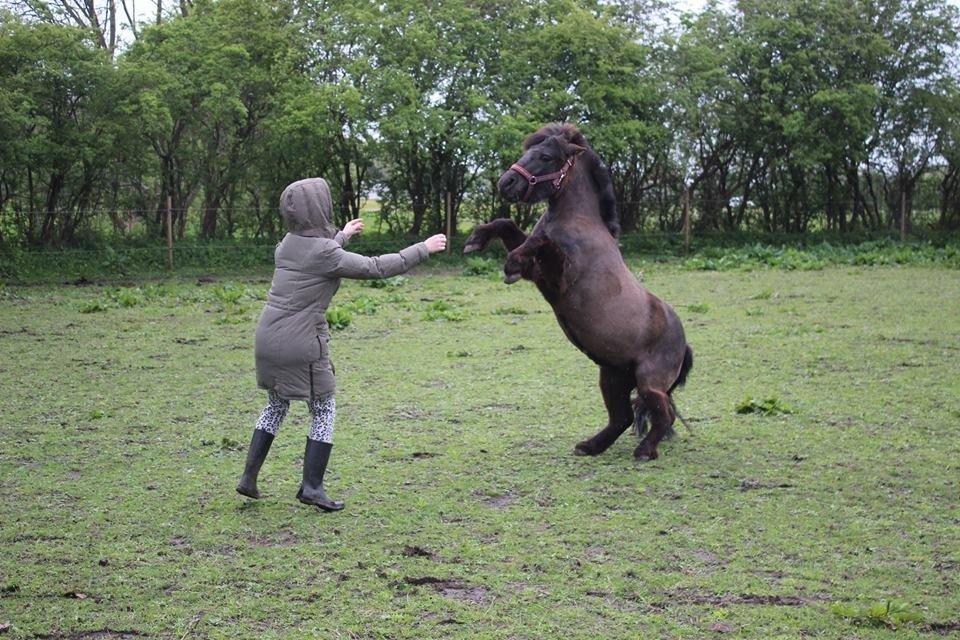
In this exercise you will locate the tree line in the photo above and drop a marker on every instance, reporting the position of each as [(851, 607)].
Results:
[(770, 115)]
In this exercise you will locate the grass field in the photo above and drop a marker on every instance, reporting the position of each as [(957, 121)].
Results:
[(829, 511)]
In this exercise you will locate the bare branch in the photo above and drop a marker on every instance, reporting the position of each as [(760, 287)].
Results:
[(131, 13), (112, 15)]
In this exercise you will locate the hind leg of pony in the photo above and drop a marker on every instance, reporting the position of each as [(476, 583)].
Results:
[(502, 228), (656, 404), (615, 385)]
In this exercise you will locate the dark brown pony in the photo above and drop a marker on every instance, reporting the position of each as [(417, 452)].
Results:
[(573, 257)]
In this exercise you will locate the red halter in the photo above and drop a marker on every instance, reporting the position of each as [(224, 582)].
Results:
[(532, 180)]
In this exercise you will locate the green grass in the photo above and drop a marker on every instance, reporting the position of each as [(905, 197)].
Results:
[(126, 412)]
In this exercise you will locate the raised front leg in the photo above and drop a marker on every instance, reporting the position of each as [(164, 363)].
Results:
[(523, 261), (541, 261), (615, 385), (503, 228)]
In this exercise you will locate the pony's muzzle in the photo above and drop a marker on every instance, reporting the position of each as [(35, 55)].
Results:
[(511, 186)]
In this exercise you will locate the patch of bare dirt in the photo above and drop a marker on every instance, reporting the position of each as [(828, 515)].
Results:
[(415, 551), (408, 412), (499, 407), (452, 588), (501, 501), (36, 538), (282, 538), (596, 553), (705, 556), (942, 628), (86, 635), (749, 484), (23, 330), (686, 596), (179, 542), (947, 566)]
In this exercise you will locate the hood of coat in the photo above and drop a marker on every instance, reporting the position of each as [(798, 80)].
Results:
[(306, 207)]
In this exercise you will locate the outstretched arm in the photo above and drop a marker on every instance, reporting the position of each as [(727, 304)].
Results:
[(354, 265)]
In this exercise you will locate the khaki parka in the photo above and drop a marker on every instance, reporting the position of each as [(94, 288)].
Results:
[(291, 345)]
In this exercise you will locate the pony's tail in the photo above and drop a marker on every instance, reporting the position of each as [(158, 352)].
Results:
[(641, 421), (685, 367), (641, 424)]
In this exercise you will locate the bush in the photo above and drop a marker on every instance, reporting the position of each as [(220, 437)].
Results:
[(802, 257), (362, 305), (768, 406), (94, 306), (443, 310), (510, 311), (712, 253), (477, 266), (386, 283), (888, 614), (338, 318), (229, 294), (128, 297)]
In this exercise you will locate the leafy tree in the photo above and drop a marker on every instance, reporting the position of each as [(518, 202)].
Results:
[(60, 126), (703, 107), (428, 86), (912, 76), (947, 113), (207, 83), (578, 62), (784, 115)]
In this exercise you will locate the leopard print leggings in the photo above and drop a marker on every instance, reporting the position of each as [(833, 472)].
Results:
[(323, 410)]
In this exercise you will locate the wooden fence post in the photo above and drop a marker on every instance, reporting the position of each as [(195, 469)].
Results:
[(903, 214), (449, 219), (169, 225)]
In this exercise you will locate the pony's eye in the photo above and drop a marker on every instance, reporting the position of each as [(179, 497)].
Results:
[(545, 157)]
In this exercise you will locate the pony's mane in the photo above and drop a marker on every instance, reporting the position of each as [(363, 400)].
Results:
[(596, 168)]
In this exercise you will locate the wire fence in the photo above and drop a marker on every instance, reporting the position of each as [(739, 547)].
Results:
[(119, 261)]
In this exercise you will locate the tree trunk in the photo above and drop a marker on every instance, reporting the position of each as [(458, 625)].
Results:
[(950, 197)]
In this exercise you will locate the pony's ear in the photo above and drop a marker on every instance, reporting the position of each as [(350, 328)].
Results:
[(572, 150)]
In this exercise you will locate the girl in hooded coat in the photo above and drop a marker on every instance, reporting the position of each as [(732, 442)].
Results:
[(291, 345)]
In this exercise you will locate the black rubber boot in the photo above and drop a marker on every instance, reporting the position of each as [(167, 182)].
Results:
[(259, 446), (314, 466)]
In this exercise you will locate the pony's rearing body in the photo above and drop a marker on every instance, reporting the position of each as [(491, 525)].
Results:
[(573, 257)]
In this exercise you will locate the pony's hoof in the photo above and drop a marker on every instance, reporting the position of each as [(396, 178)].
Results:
[(584, 449), (645, 456), (250, 492)]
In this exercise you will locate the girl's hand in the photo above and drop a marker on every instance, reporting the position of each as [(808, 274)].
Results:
[(353, 227), (436, 243)]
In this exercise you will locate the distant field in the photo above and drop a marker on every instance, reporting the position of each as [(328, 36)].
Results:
[(831, 510)]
